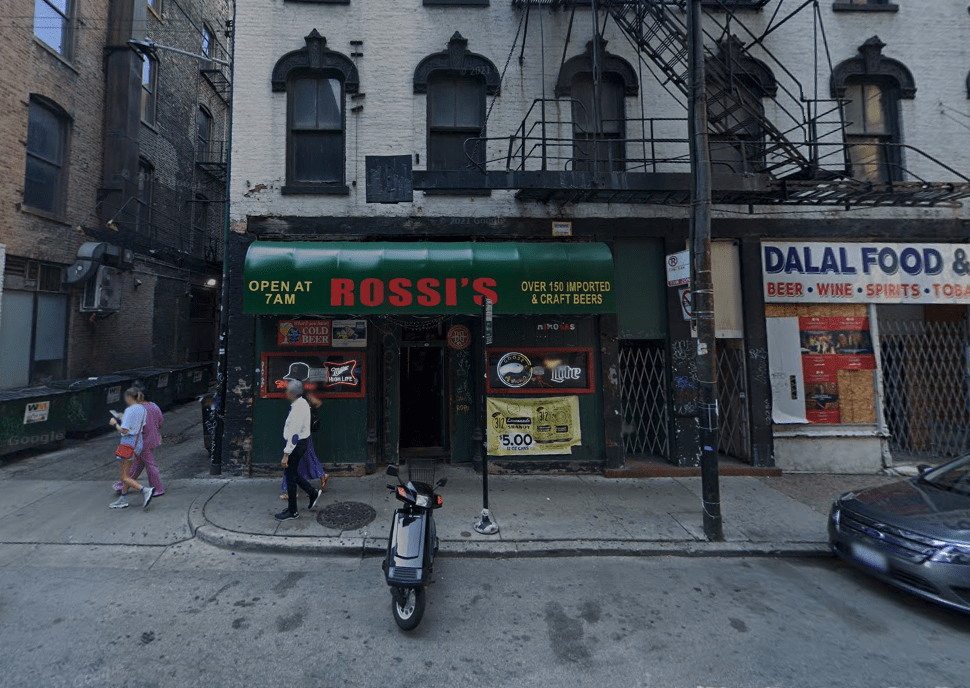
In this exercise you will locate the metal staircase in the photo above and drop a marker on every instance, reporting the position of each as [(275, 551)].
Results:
[(774, 141), (789, 147)]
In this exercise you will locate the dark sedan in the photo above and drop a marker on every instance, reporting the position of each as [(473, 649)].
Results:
[(913, 534)]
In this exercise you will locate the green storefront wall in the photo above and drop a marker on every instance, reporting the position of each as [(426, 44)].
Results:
[(342, 437), (641, 288)]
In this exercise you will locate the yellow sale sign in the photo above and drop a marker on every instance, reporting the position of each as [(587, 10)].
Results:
[(533, 427)]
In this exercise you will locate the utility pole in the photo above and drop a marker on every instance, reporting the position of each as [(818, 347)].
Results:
[(702, 287)]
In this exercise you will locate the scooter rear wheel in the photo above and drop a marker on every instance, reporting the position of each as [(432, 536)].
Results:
[(408, 615)]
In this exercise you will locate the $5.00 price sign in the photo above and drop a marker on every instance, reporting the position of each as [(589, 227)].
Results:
[(530, 427)]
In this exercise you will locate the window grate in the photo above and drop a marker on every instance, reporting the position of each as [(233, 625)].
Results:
[(643, 391), (733, 436), (925, 389)]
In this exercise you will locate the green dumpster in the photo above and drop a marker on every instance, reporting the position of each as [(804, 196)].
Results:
[(32, 417), (146, 379), (200, 378), (91, 401), (181, 381)]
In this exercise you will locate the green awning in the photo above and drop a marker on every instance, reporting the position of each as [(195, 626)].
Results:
[(428, 277)]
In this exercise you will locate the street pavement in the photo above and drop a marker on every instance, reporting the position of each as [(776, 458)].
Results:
[(205, 588), (196, 615), (61, 498)]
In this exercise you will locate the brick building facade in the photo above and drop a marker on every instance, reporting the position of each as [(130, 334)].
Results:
[(530, 122), (117, 170)]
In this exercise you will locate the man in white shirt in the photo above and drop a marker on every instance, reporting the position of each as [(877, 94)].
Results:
[(296, 432)]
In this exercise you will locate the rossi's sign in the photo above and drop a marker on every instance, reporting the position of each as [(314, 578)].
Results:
[(806, 272), (424, 278)]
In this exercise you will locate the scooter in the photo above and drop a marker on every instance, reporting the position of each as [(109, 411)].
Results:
[(412, 544)]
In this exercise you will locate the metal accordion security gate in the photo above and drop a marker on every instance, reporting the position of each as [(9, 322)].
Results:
[(734, 429), (926, 397), (643, 390)]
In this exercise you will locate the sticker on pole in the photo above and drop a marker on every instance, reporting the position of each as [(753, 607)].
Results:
[(678, 269), (686, 304)]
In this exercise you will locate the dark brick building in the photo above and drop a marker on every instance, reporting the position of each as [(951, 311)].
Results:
[(112, 210)]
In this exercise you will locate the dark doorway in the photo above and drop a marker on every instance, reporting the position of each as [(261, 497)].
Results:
[(423, 398)]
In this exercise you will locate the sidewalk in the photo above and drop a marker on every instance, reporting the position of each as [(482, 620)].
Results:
[(540, 516), (61, 498)]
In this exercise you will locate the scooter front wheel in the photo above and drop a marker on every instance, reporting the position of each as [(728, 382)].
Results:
[(409, 613)]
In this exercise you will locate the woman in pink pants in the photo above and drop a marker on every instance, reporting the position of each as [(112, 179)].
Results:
[(146, 460)]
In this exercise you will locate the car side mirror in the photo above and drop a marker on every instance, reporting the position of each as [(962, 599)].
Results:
[(441, 483), (923, 467), (393, 470)]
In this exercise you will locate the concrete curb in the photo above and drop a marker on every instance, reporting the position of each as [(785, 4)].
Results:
[(503, 549)]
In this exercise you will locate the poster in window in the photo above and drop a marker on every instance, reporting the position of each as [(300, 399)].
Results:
[(303, 333), (326, 374), (544, 370), (532, 427), (829, 345), (349, 333)]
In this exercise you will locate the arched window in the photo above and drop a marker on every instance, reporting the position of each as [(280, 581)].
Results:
[(871, 86), (457, 82), (45, 180), (736, 86), (316, 81), (598, 97)]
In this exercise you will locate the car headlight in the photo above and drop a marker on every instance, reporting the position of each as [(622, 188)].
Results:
[(952, 554), (836, 514)]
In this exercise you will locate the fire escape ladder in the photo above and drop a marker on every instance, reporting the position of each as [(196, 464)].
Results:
[(737, 119)]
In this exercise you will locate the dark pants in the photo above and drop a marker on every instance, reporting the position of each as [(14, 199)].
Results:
[(293, 477)]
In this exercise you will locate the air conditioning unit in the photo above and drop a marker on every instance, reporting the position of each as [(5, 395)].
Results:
[(102, 293)]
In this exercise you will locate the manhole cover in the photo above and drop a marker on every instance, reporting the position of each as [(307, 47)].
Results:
[(346, 515)]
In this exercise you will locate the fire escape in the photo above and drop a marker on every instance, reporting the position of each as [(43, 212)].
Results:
[(774, 141)]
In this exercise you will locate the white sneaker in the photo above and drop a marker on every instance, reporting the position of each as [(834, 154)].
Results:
[(148, 492), (120, 503)]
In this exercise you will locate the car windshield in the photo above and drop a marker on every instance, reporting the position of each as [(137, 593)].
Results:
[(954, 476)]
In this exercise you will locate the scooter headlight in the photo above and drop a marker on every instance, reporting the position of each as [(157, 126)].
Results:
[(422, 500)]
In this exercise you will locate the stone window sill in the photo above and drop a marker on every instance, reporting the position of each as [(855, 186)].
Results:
[(871, 7), (457, 3), (60, 58), (46, 214), (322, 190)]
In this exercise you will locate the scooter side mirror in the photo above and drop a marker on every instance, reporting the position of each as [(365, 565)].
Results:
[(441, 483), (393, 470)]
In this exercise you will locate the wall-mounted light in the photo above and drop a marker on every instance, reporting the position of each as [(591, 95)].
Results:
[(211, 282)]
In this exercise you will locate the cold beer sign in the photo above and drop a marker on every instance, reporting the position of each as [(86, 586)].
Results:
[(808, 272)]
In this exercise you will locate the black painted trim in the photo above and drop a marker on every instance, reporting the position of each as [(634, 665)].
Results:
[(321, 190), (870, 7), (460, 61), (871, 65), (608, 62)]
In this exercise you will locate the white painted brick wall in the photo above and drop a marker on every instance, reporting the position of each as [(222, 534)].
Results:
[(927, 36)]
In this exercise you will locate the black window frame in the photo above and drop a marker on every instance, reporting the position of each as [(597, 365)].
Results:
[(149, 92), (435, 80), (613, 163), (208, 39), (891, 155), (144, 200), (203, 144), (67, 29), (293, 185), (58, 194)]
